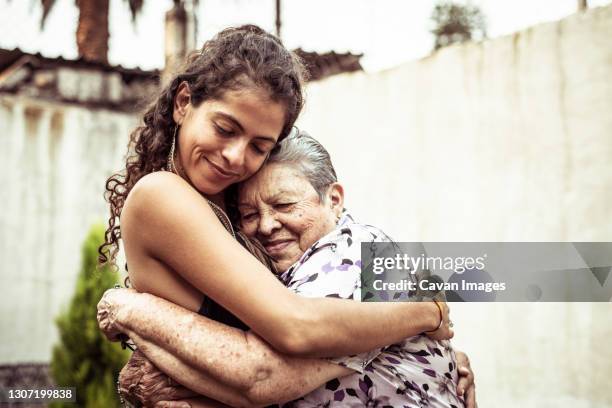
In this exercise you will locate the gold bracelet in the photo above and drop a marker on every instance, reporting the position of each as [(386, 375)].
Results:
[(437, 302)]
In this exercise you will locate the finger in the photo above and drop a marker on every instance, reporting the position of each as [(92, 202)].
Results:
[(470, 398), (461, 358), (172, 404), (107, 292), (462, 385), (463, 370), (467, 373), (446, 309)]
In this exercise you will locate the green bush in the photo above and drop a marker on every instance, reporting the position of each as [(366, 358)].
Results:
[(83, 358)]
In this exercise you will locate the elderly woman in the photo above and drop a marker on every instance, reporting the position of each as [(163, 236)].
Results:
[(294, 206)]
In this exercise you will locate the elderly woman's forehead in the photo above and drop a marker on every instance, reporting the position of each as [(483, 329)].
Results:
[(281, 173), (276, 179)]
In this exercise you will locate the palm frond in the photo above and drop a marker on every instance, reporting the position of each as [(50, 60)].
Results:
[(47, 5), (135, 7)]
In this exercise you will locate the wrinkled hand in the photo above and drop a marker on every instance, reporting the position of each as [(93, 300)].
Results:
[(465, 384), (108, 307), (140, 382), (445, 332), (201, 402), (174, 404)]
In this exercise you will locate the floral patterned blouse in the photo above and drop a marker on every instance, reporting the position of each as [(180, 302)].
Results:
[(418, 372)]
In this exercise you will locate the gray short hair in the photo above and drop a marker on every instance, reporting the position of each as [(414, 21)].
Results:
[(303, 152)]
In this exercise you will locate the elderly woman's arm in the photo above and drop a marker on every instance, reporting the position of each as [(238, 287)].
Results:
[(224, 363), (167, 219), (213, 359), (221, 362), (240, 361), (276, 379)]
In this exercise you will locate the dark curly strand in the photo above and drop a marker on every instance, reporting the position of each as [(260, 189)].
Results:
[(242, 57)]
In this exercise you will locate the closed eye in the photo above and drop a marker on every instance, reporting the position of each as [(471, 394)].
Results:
[(248, 216), (284, 206), (259, 150), (225, 132)]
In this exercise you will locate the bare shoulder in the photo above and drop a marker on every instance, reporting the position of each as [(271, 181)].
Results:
[(157, 184), (157, 187), (160, 195)]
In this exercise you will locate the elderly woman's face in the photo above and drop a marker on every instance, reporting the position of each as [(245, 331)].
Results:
[(280, 207)]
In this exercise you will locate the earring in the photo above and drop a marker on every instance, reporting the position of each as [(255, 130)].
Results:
[(170, 162)]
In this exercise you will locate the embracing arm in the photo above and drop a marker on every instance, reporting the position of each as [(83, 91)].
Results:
[(208, 357), (177, 227), (283, 379)]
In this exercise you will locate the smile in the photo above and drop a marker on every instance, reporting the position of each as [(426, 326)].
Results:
[(277, 246), (220, 171)]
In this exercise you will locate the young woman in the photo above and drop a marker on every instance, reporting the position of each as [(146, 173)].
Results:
[(214, 125)]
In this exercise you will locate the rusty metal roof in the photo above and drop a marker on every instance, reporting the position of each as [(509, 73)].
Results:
[(10, 57), (80, 82), (121, 88), (318, 65)]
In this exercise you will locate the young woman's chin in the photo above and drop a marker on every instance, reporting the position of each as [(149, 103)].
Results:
[(208, 187), (210, 184), (205, 181)]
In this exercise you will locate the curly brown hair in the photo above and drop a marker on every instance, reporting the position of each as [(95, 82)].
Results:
[(236, 58)]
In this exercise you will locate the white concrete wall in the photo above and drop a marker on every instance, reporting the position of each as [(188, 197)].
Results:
[(55, 160), (508, 140)]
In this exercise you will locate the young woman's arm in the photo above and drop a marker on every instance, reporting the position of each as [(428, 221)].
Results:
[(170, 221)]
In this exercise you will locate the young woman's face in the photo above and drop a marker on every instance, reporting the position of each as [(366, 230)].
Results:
[(226, 140)]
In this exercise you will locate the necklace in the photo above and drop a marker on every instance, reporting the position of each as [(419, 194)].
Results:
[(221, 215)]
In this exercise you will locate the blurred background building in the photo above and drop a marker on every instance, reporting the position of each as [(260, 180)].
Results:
[(504, 139)]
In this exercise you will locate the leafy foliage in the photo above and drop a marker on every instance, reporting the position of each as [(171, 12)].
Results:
[(83, 358), (457, 23)]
